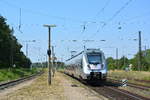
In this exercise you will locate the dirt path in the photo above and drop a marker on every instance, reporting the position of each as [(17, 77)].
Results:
[(73, 90), (62, 88), (17, 87)]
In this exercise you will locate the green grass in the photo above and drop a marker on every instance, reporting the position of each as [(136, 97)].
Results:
[(132, 76), (135, 75), (15, 73)]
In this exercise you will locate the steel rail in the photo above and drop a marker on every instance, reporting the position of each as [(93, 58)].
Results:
[(115, 92), (132, 84), (125, 93), (18, 81)]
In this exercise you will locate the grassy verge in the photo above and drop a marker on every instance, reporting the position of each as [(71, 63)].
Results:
[(39, 90), (15, 73), (138, 77)]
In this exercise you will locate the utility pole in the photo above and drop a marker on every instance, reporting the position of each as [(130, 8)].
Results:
[(140, 52), (27, 45), (12, 50), (117, 58), (49, 52), (124, 61), (145, 47)]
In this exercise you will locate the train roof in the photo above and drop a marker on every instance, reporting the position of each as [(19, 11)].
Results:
[(92, 51), (89, 50)]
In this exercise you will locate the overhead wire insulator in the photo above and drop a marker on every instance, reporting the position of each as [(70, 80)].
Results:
[(20, 21)]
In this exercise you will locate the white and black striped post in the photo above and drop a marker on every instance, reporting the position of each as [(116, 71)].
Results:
[(124, 82)]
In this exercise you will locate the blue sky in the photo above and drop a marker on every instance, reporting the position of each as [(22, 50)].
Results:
[(79, 20)]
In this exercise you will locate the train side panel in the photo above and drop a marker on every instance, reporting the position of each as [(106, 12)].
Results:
[(81, 65)]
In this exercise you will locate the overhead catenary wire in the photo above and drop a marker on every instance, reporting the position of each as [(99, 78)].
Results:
[(84, 27), (20, 19), (39, 12), (34, 12), (27, 10), (138, 16), (98, 13), (64, 18), (113, 16), (19, 27), (103, 8), (45, 14), (120, 10)]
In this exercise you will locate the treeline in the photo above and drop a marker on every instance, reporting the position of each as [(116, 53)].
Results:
[(132, 64), (10, 50), (45, 64)]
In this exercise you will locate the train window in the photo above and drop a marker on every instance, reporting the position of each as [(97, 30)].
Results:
[(94, 58)]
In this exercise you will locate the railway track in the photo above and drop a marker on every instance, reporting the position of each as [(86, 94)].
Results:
[(18, 81), (147, 88), (110, 90), (114, 93)]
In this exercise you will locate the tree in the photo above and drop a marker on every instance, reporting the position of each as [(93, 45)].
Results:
[(111, 63), (146, 55), (145, 61), (10, 49), (123, 62)]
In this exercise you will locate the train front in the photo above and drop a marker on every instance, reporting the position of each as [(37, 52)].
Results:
[(96, 67)]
